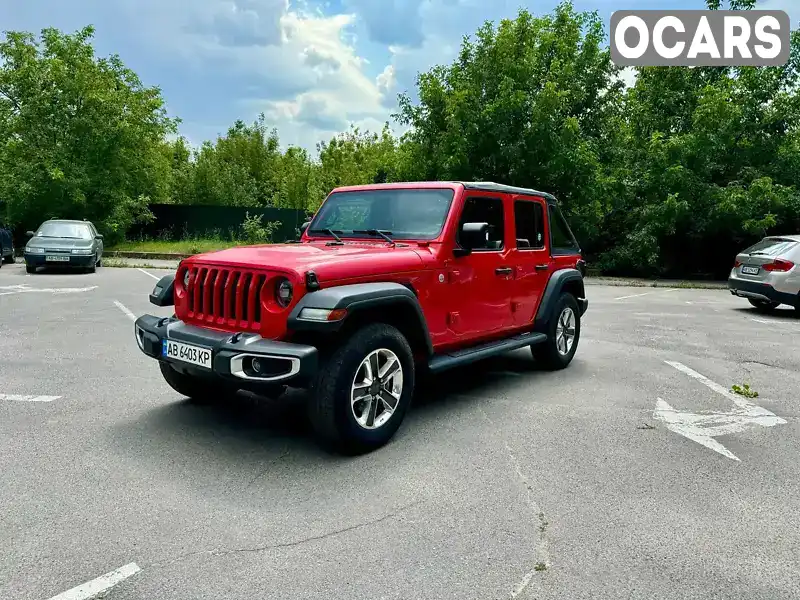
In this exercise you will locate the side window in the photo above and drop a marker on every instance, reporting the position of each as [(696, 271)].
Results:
[(486, 210), (529, 220), (559, 232)]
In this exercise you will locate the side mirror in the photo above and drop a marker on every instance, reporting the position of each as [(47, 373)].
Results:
[(99, 236), (472, 235), (304, 226), (30, 233)]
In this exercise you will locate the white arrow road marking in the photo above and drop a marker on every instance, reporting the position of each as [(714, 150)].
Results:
[(22, 398), (124, 309), (26, 289), (92, 588), (704, 427)]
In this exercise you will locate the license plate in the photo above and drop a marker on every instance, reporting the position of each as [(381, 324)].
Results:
[(750, 270), (52, 258), (187, 353)]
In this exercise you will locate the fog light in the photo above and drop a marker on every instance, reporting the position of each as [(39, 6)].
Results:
[(258, 368)]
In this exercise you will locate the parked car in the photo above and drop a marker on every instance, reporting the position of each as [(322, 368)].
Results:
[(388, 281), (64, 243), (767, 273), (6, 245)]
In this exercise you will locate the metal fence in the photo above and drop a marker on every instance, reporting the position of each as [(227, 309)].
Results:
[(179, 221)]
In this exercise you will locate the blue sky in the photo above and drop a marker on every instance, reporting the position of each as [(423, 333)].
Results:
[(312, 66)]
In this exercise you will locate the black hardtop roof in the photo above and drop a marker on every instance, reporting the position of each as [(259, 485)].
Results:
[(491, 186)]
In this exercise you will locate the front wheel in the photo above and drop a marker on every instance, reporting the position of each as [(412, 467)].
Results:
[(198, 390), (10, 259), (30, 269), (363, 391), (563, 333)]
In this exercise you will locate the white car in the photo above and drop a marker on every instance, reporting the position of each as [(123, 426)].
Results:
[(768, 273)]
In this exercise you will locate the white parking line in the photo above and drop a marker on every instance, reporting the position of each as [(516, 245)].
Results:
[(124, 309), (148, 274), (647, 294), (93, 588), (23, 398)]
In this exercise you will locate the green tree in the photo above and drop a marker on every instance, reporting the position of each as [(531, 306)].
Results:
[(80, 136), (358, 157), (532, 102)]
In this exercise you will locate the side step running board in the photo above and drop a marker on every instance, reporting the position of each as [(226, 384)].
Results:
[(457, 358)]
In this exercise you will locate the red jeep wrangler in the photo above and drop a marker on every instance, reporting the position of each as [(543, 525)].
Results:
[(387, 281)]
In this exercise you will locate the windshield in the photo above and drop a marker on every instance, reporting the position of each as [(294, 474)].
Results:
[(77, 231), (417, 214)]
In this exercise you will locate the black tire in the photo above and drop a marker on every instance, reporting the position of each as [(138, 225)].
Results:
[(100, 263), (330, 410), (30, 269), (198, 390), (93, 268), (763, 305), (547, 353), (10, 259)]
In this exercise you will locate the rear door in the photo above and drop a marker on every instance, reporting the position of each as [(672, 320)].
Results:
[(530, 257)]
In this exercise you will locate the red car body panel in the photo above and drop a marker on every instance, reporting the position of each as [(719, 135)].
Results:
[(464, 300)]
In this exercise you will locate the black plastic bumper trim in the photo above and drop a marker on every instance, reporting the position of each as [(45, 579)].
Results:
[(752, 289), (152, 331)]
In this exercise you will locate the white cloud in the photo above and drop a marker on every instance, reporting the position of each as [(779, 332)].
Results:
[(628, 76), (305, 73)]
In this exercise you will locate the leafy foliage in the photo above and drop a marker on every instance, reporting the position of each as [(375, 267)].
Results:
[(78, 135), (671, 176)]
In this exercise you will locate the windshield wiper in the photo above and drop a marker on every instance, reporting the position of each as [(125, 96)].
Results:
[(330, 232), (381, 232)]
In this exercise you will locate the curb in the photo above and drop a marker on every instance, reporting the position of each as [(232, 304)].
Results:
[(689, 285), (147, 255)]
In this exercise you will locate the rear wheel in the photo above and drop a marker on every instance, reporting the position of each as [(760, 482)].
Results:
[(563, 333), (363, 391), (198, 390), (763, 305)]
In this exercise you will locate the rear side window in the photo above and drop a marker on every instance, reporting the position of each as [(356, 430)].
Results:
[(486, 210), (771, 247), (529, 220), (560, 236)]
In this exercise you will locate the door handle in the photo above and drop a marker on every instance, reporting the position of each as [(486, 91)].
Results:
[(503, 271), (542, 267)]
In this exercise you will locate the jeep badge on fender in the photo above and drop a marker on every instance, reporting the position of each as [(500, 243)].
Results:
[(388, 281)]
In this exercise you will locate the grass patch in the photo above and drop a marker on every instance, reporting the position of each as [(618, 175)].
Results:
[(191, 246), (115, 263), (744, 390)]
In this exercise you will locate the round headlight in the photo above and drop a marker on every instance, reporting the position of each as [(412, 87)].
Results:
[(283, 293), (186, 279)]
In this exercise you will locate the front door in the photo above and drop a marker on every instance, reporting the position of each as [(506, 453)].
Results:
[(530, 258), (482, 282)]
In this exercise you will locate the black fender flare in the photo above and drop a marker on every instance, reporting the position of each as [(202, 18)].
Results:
[(354, 298), (163, 293), (555, 286)]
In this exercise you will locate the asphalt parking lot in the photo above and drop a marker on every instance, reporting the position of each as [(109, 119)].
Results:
[(504, 482)]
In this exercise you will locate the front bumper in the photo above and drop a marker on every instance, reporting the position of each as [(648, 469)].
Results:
[(759, 291), (232, 354), (75, 260)]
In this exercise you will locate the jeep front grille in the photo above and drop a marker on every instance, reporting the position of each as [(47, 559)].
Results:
[(225, 297)]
